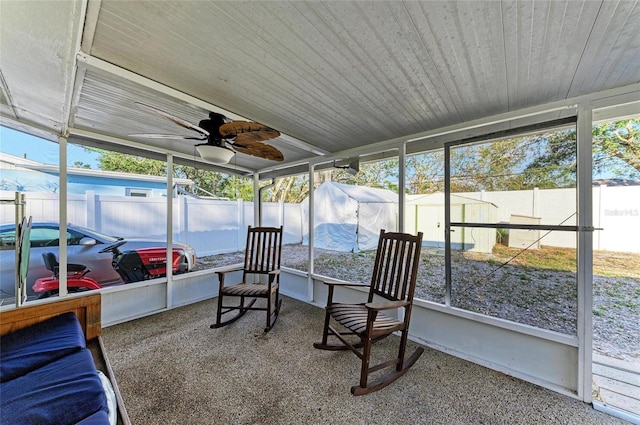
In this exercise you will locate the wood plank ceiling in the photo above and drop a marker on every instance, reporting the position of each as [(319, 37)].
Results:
[(330, 76)]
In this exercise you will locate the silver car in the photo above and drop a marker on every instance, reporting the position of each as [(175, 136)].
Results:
[(83, 248)]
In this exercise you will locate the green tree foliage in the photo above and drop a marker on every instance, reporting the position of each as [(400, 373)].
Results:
[(292, 189), (114, 161), (488, 166), (616, 153), (544, 160), (616, 148), (425, 173), (552, 162), (206, 182)]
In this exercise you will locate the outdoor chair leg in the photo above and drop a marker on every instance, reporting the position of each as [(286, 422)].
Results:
[(325, 332), (219, 312), (364, 370), (266, 329)]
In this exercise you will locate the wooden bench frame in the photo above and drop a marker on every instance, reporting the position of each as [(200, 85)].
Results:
[(88, 310)]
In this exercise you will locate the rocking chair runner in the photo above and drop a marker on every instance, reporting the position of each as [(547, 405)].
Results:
[(262, 260), (394, 278)]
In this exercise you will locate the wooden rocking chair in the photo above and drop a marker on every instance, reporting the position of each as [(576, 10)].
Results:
[(262, 261), (394, 279)]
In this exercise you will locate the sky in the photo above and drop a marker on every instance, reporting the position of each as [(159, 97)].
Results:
[(37, 149)]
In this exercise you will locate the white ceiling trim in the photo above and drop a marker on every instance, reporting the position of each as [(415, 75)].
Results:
[(90, 24), (75, 37), (6, 97)]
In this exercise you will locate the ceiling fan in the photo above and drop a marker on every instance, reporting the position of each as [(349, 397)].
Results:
[(223, 136)]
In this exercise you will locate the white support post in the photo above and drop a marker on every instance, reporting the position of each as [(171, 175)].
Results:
[(585, 251), (402, 152), (62, 207), (257, 219), (169, 263), (535, 207), (311, 231)]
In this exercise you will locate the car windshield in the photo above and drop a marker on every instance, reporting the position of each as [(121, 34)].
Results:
[(98, 235)]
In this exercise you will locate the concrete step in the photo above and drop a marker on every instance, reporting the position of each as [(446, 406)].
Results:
[(618, 384), (611, 385), (620, 401), (616, 374), (631, 365)]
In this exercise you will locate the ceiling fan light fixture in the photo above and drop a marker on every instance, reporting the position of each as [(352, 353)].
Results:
[(215, 154)]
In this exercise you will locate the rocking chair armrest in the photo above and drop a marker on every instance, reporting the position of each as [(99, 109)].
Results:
[(387, 305), (275, 272), (332, 282)]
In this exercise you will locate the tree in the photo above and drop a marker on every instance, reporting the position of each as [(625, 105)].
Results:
[(114, 161), (553, 162), (617, 147), (218, 184), (616, 153), (288, 189), (425, 173)]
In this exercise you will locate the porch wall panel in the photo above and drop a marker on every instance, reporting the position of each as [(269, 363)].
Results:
[(547, 360)]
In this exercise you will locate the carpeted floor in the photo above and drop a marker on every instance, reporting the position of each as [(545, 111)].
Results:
[(173, 369)]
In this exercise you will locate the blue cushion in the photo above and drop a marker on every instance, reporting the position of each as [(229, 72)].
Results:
[(63, 392), (99, 418), (30, 348)]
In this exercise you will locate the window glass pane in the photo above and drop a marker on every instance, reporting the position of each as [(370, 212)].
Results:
[(351, 207), (103, 211), (29, 166), (616, 246), (536, 287), (282, 204), (424, 212), (511, 264), (216, 210)]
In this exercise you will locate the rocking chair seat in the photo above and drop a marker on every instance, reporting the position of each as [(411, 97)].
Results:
[(248, 290), (354, 318)]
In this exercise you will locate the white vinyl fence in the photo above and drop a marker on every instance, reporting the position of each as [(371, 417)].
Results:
[(616, 210), (216, 226), (210, 226)]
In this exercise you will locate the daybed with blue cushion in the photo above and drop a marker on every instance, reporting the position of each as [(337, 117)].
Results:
[(53, 366)]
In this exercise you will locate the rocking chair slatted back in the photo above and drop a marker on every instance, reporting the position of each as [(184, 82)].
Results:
[(260, 278), (395, 266), (263, 250)]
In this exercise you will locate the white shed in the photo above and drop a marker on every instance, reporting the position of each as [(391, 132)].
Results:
[(349, 218), (426, 214)]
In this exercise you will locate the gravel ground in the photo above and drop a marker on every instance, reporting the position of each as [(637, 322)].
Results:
[(534, 296)]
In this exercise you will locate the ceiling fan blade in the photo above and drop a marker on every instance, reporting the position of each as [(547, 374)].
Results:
[(246, 145), (236, 128), (166, 136), (176, 120)]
